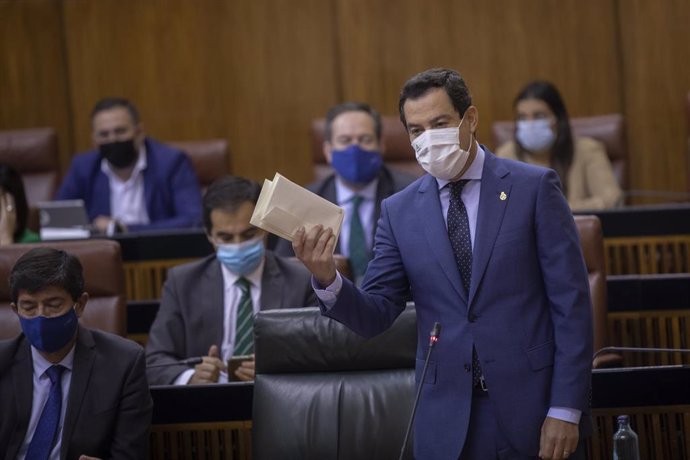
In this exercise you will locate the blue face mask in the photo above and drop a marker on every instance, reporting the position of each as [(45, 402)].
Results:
[(241, 258), (50, 334), (356, 165)]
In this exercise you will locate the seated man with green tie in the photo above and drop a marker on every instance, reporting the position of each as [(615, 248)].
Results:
[(207, 307), (353, 147), (67, 391)]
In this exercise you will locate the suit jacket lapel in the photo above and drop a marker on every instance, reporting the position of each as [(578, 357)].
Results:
[(272, 284), (428, 207), (212, 300), (84, 358), (493, 198), (22, 373), (101, 193)]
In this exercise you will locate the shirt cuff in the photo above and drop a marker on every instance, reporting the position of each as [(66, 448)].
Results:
[(329, 295), (566, 414), (184, 377)]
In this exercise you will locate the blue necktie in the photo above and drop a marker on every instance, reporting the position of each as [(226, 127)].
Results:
[(45, 435), (460, 241), (244, 329), (357, 244)]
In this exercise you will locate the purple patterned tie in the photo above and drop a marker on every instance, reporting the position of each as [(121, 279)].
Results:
[(45, 435), (460, 241)]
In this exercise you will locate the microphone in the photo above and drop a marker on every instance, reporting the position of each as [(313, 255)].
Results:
[(184, 362), (433, 338), (640, 350)]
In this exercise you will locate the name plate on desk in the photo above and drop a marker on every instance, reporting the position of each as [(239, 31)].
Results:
[(220, 402)]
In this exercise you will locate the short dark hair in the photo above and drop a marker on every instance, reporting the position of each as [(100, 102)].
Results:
[(41, 268), (448, 79), (11, 182), (562, 151), (339, 109), (228, 193), (108, 103)]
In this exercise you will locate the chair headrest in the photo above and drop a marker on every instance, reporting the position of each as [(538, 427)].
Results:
[(303, 340)]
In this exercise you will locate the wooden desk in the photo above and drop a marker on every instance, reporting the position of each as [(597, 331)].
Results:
[(658, 402), (650, 311), (646, 239), (202, 422)]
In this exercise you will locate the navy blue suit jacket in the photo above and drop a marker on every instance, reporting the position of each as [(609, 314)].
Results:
[(171, 189), (527, 312)]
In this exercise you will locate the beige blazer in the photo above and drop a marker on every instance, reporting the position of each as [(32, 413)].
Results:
[(591, 183)]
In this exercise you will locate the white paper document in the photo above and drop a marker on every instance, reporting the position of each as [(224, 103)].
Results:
[(284, 206)]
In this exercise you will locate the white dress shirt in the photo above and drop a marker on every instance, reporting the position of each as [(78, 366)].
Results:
[(127, 200), (232, 295), (41, 384)]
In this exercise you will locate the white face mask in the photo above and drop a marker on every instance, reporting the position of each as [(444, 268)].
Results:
[(438, 152), (537, 136)]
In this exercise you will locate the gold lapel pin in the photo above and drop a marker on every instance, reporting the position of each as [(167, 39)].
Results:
[(503, 196)]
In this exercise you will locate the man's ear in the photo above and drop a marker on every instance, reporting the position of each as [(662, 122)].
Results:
[(472, 116), (14, 307), (81, 304), (328, 151)]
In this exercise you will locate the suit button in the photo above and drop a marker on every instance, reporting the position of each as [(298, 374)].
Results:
[(467, 368), (472, 317)]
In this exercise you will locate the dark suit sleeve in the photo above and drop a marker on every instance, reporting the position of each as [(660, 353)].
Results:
[(184, 190), (131, 432), (567, 287), (166, 342)]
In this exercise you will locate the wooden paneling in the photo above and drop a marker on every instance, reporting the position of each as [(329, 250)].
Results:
[(254, 73), (656, 77), (497, 45), (33, 79)]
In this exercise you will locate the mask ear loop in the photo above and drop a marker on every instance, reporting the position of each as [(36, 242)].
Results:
[(469, 146)]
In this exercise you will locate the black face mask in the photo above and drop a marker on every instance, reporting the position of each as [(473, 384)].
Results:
[(120, 154)]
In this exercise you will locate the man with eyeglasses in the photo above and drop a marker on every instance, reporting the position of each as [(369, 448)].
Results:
[(207, 307), (131, 182)]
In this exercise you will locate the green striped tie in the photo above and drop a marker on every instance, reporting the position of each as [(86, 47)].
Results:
[(244, 338), (357, 244)]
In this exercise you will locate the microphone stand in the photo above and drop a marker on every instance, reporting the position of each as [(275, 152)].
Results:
[(433, 338)]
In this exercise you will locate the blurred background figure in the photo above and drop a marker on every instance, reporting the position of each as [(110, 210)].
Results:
[(131, 182), (543, 137), (14, 210)]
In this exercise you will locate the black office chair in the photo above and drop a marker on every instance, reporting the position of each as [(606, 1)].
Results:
[(323, 392)]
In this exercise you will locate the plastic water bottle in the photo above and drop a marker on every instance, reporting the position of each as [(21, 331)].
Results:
[(625, 444)]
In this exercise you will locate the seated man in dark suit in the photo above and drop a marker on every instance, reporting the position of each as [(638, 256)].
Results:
[(207, 307), (352, 146), (67, 391), (131, 182)]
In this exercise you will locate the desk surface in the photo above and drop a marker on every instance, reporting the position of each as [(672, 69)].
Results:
[(641, 386), (667, 219), (202, 403)]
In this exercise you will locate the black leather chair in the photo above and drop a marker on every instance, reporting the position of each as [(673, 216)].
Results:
[(323, 392)]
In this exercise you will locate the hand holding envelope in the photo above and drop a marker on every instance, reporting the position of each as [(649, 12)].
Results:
[(283, 207)]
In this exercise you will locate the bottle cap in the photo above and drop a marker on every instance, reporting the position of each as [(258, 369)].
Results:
[(623, 419)]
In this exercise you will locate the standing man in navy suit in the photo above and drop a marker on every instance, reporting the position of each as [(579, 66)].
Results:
[(488, 248)]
